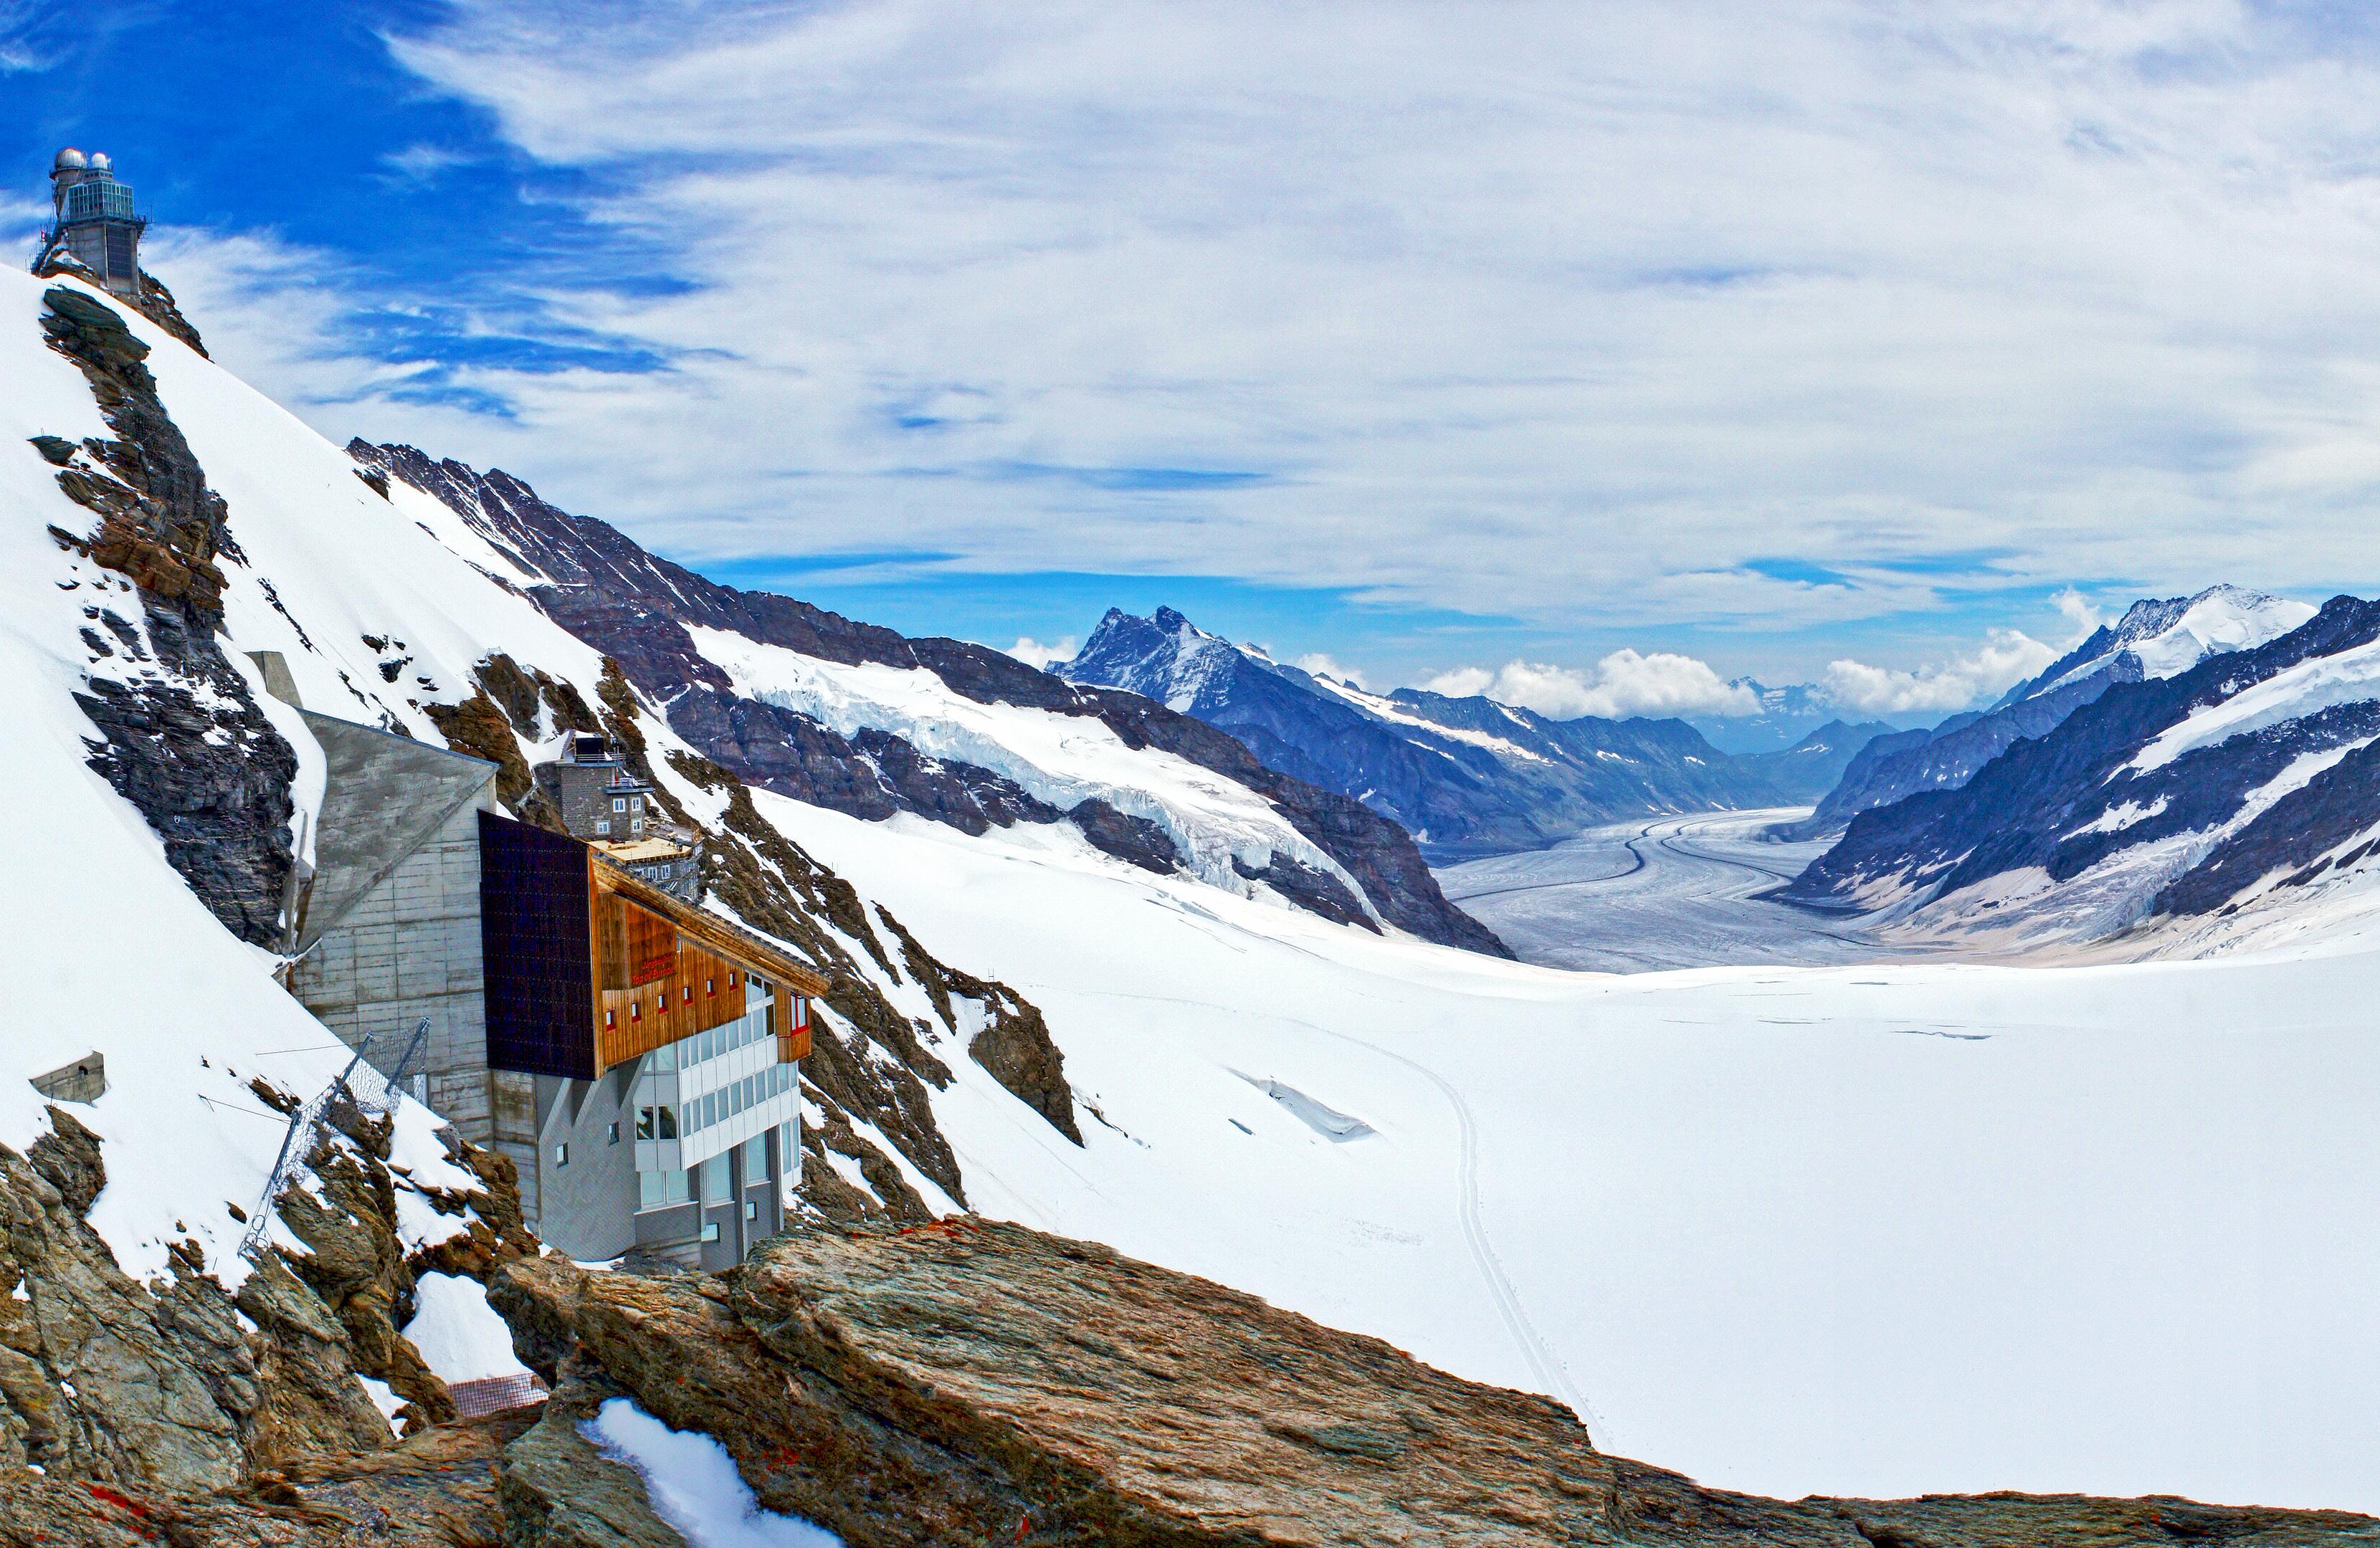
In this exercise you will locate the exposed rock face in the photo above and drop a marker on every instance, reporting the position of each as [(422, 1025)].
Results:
[(636, 608), (183, 740), (963, 1384), (157, 1385)]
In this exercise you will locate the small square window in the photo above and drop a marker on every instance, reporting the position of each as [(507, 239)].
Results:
[(562, 1155), (619, 804), (636, 802), (602, 826), (752, 1210), (636, 825), (710, 1230)]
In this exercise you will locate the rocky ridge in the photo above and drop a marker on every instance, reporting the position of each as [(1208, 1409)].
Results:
[(182, 737), (977, 1383), (637, 608)]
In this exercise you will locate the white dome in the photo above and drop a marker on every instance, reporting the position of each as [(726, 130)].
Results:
[(69, 160), (100, 161)]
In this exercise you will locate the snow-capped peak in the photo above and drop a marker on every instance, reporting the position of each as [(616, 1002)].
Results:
[(2164, 637)]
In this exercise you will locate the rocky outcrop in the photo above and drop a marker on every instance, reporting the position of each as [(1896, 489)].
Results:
[(637, 608), (180, 734), (967, 1384)]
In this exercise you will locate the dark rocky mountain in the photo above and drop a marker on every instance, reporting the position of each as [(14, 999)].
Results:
[(1465, 776), (2252, 773), (603, 587), (1812, 767), (2156, 638)]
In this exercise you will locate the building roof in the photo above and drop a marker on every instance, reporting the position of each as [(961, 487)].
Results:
[(637, 852), (385, 797), (714, 931)]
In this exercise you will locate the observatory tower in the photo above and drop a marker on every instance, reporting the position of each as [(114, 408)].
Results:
[(94, 222)]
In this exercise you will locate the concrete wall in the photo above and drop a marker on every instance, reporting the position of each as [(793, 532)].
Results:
[(587, 1204), (408, 948)]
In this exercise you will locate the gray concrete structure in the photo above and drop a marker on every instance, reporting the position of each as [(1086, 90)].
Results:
[(388, 924)]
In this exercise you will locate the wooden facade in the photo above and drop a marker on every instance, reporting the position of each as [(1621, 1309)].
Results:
[(649, 968)]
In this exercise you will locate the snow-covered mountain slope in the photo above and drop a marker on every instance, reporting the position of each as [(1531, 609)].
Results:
[(387, 607), (1465, 776), (2154, 639), (2210, 806), (800, 701)]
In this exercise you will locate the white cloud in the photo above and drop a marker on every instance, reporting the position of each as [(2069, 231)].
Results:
[(1033, 653), (1582, 314), (1321, 665), (2006, 658), (2079, 611), (1623, 684)]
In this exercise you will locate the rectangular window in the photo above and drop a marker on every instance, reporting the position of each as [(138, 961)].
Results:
[(610, 1018), (562, 1155), (731, 978), (710, 1230), (710, 986), (602, 827), (756, 1159), (645, 1123), (636, 802), (714, 1178), (619, 804), (649, 1190), (680, 1186), (636, 825), (711, 1110), (752, 1210), (611, 1133), (689, 992)]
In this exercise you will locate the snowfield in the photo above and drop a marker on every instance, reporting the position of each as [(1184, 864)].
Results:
[(1868, 1230)]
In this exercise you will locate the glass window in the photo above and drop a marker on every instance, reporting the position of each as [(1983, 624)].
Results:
[(714, 1178), (710, 986), (756, 1158), (611, 1133), (619, 804), (710, 1230), (711, 1110), (636, 825), (602, 827), (608, 1018), (669, 1122), (562, 1155), (679, 1186), (752, 1210), (649, 1190), (636, 1011), (636, 802)]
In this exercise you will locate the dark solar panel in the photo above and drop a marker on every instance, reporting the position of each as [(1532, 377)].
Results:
[(541, 963)]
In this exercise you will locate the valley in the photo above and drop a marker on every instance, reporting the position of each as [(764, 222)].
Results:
[(1658, 893)]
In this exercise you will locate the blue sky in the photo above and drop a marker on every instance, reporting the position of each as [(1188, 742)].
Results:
[(1641, 346)]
